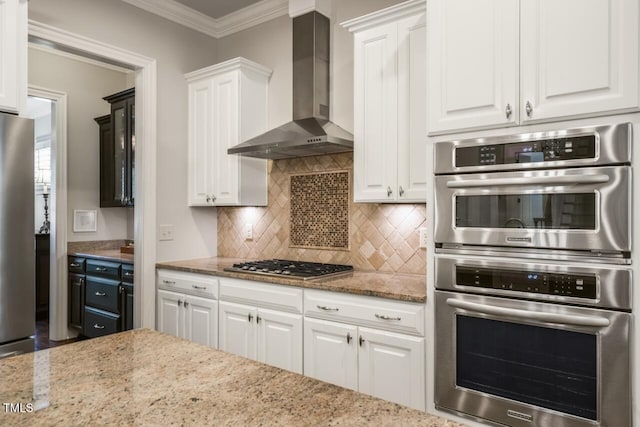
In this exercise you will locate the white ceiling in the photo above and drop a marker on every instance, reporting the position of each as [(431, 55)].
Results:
[(217, 8)]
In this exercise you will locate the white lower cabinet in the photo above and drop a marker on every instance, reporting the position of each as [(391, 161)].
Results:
[(190, 317), (183, 314), (270, 336), (383, 364)]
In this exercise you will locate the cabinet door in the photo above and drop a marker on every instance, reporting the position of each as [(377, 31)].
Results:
[(375, 114), (472, 54), (170, 313), (201, 320), (200, 142), (76, 300), (412, 109), (578, 57), (117, 175), (225, 135), (8, 55), (391, 367), (280, 339), (331, 352), (237, 329)]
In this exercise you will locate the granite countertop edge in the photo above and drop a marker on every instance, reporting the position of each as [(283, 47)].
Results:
[(104, 255), (343, 284)]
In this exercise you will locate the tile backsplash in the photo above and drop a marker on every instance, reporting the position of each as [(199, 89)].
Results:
[(382, 237)]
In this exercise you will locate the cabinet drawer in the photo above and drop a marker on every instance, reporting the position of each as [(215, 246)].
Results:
[(194, 284), (367, 311), (98, 323), (279, 297), (76, 265), (102, 293), (106, 269), (127, 273)]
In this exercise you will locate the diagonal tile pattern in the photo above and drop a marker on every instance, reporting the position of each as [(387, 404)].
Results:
[(383, 237)]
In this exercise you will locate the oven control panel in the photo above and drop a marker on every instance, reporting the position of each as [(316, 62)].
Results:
[(535, 151), (567, 285)]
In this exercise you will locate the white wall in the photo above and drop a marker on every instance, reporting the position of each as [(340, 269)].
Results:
[(270, 44), (85, 85), (177, 50)]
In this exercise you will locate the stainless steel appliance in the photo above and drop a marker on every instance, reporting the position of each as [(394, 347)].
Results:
[(562, 190), (532, 295), (534, 344), (17, 241), (294, 269), (311, 133)]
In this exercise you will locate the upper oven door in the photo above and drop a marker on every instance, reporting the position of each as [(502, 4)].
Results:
[(576, 209)]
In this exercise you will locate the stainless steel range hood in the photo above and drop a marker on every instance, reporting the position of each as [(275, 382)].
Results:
[(310, 133)]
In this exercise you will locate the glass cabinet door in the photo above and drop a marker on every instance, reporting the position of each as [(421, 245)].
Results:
[(119, 134)]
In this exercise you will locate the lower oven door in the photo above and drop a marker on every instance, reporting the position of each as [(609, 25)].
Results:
[(524, 363)]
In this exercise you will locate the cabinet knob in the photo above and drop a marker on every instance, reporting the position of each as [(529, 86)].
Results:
[(389, 192), (349, 338), (180, 303), (186, 304), (508, 111), (208, 199), (213, 199), (401, 191), (250, 317), (258, 319), (361, 340), (529, 109)]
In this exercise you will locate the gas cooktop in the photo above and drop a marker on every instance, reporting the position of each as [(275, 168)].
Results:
[(294, 269)]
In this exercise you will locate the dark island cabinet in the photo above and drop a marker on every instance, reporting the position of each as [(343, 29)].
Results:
[(100, 296), (117, 151)]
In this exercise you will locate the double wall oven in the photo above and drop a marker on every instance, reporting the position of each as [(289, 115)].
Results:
[(533, 288)]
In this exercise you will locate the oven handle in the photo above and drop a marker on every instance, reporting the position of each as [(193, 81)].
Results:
[(532, 180), (564, 319)]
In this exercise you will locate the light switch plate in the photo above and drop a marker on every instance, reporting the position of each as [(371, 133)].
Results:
[(165, 232), (423, 237)]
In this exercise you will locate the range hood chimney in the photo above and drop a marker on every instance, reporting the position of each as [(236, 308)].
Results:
[(311, 133)]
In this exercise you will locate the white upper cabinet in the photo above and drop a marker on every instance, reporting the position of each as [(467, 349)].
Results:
[(496, 63), (13, 56), (578, 57), (227, 106), (390, 104), (473, 64)]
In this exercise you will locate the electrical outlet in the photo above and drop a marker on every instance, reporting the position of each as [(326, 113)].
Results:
[(166, 232), (248, 231), (423, 237)]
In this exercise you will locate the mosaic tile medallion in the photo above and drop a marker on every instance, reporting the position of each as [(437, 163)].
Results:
[(319, 212)]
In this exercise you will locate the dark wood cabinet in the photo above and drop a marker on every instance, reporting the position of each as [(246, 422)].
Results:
[(42, 275), (100, 296), (76, 300), (117, 151)]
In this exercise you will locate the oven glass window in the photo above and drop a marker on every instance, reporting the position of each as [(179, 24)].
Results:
[(551, 368), (544, 211)]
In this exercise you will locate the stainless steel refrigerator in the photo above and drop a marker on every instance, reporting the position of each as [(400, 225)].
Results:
[(17, 237)]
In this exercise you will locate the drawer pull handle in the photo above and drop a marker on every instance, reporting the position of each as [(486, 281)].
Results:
[(128, 274), (349, 338), (74, 265), (168, 282), (180, 303), (96, 326), (101, 269), (100, 294), (198, 287), (250, 317), (325, 308), (361, 340), (385, 317)]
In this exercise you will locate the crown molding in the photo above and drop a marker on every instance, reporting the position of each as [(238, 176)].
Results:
[(402, 10), (238, 63), (239, 20)]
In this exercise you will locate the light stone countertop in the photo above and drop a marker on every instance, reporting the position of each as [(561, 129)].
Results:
[(144, 377), (405, 287), (105, 255)]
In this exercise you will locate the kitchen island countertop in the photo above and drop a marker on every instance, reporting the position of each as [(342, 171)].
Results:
[(144, 377), (405, 287)]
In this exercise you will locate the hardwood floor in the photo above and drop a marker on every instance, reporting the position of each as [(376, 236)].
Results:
[(42, 337)]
